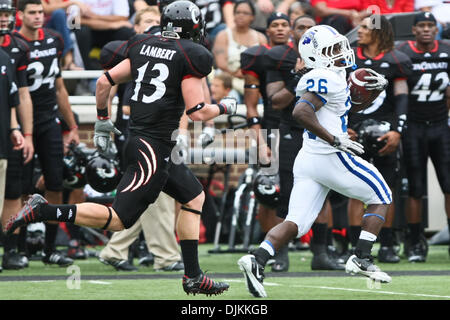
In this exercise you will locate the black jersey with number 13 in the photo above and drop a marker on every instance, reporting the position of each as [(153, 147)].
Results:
[(158, 66)]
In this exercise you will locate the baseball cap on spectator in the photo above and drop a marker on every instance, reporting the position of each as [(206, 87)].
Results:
[(275, 16), (424, 16)]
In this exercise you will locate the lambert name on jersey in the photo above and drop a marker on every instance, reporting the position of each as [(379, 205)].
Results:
[(156, 52)]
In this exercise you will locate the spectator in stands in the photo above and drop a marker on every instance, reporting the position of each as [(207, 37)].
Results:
[(342, 15), (299, 9), (106, 21), (390, 6), (264, 8), (231, 42), (221, 86), (217, 14)]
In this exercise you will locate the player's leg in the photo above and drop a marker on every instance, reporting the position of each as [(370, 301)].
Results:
[(11, 205), (184, 187), (440, 155), (302, 213), (416, 148), (359, 179)]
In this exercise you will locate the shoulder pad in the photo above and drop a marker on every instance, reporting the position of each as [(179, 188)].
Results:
[(282, 58), (252, 59), (199, 60), (113, 53), (403, 63), (20, 43)]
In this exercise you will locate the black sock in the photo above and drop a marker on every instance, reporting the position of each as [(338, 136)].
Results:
[(353, 234), (11, 242), (22, 240), (415, 229), (189, 251), (50, 238), (363, 248), (319, 233), (262, 256), (386, 237), (330, 236), (61, 212)]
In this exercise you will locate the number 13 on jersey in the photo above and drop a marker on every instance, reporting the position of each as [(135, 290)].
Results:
[(158, 82)]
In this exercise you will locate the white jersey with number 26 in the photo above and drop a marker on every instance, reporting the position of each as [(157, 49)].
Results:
[(331, 87)]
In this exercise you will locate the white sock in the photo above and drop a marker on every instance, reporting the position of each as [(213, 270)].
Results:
[(367, 236)]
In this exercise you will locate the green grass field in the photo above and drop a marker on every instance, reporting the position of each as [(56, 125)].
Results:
[(424, 281)]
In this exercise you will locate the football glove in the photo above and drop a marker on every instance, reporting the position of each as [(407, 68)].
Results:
[(207, 137), (380, 82), (102, 135), (347, 145), (230, 105), (182, 146)]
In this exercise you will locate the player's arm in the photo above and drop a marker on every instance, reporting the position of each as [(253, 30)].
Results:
[(393, 137), (117, 75), (25, 114), (196, 107), (305, 113), (279, 95), (62, 98)]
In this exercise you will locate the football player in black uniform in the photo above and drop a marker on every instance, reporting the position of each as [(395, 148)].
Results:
[(19, 53), (284, 71), (167, 72), (254, 71), (376, 51), (428, 133), (48, 94)]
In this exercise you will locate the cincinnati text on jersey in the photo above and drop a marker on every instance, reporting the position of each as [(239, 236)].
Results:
[(36, 54), (156, 52), (429, 65)]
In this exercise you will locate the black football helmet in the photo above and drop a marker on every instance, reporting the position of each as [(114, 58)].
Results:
[(6, 6), (102, 173), (267, 189), (74, 170), (182, 19), (369, 131)]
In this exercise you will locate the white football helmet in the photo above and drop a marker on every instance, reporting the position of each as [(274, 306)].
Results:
[(322, 46)]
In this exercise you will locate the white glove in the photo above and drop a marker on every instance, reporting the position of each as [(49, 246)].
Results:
[(380, 84), (230, 105), (183, 146), (347, 145), (207, 137), (102, 135)]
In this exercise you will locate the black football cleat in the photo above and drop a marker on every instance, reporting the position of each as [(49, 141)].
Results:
[(56, 258), (28, 214), (203, 285)]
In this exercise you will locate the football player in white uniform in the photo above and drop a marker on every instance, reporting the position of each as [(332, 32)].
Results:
[(327, 160)]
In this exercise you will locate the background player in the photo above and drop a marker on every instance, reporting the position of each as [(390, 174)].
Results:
[(375, 50), (428, 133)]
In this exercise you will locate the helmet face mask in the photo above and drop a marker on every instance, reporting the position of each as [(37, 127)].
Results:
[(323, 47), (74, 169), (6, 7), (182, 20)]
